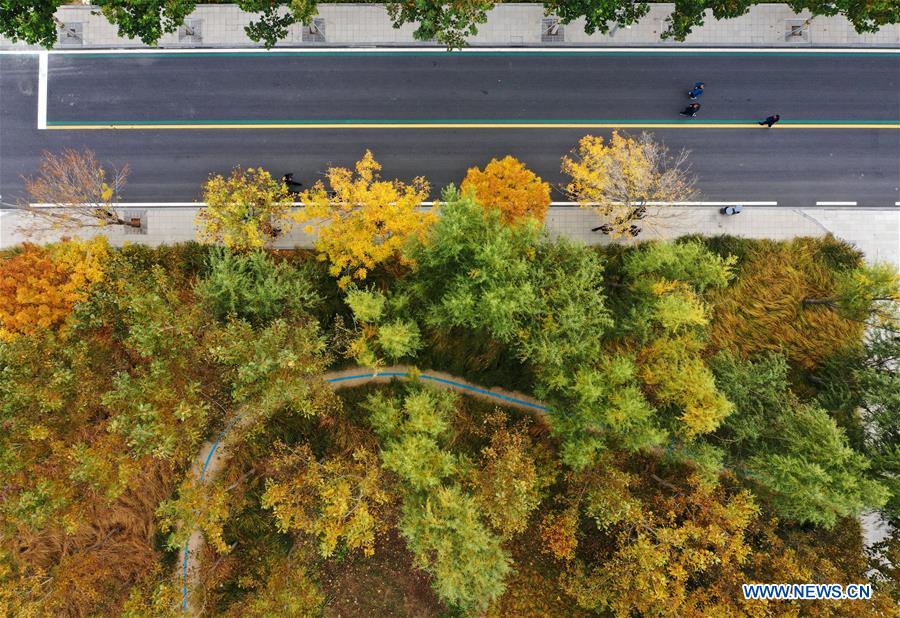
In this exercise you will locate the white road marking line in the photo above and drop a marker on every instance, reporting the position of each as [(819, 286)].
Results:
[(42, 91), (201, 204), (123, 204), (442, 50), (685, 204), (835, 203)]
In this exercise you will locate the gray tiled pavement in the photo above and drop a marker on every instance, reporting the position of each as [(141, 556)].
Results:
[(509, 24), (876, 232)]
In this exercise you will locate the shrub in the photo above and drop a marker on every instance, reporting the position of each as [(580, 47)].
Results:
[(255, 288)]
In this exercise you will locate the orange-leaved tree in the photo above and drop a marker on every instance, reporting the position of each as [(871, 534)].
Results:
[(40, 285), (247, 210), (507, 185), (364, 221), (620, 178)]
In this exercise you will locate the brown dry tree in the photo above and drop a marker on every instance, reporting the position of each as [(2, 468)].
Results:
[(72, 191)]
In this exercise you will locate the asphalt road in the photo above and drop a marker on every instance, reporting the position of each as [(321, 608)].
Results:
[(793, 166)]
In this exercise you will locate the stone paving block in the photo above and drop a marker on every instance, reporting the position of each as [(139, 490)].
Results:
[(170, 225), (517, 23)]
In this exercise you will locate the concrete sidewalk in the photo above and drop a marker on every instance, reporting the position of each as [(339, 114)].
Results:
[(513, 24), (875, 232)]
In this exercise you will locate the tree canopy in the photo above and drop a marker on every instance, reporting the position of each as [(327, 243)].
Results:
[(630, 429), (147, 20), (364, 221), (247, 210), (620, 178), (507, 185)]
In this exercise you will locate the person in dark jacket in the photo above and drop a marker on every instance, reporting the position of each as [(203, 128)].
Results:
[(691, 110), (696, 91), (770, 121), (293, 187)]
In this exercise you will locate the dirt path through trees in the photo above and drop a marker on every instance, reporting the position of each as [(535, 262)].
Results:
[(216, 453)]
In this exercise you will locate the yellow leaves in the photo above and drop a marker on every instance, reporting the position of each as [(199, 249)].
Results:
[(559, 534), (508, 484), (83, 259), (337, 499), (106, 192), (245, 211), (198, 506), (69, 523), (40, 285), (678, 307), (284, 589), (366, 221), (38, 432), (675, 373), (510, 187), (764, 309), (661, 287), (617, 177), (608, 500), (683, 549), (600, 162)]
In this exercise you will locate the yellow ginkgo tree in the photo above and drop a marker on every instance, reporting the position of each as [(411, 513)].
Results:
[(247, 210), (364, 221), (621, 177)]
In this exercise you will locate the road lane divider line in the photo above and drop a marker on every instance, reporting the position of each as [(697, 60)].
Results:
[(170, 126), (835, 203), (42, 91)]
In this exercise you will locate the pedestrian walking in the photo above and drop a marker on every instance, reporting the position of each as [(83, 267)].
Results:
[(770, 121), (691, 110), (293, 187), (696, 91)]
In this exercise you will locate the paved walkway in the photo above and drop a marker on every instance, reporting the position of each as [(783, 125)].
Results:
[(510, 24), (876, 232), (215, 453)]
